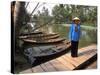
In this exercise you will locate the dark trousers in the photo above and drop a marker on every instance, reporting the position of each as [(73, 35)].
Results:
[(74, 48)]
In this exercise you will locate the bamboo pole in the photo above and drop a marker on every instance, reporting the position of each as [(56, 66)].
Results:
[(34, 9), (46, 22), (27, 5)]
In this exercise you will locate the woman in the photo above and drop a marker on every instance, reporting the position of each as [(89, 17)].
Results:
[(74, 36)]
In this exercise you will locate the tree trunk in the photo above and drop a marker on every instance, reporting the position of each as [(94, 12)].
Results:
[(19, 18)]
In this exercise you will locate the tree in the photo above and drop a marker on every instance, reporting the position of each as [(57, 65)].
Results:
[(65, 13), (42, 17)]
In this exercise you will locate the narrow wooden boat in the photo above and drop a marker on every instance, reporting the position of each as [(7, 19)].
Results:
[(31, 33), (44, 38), (38, 36), (46, 52), (41, 41), (51, 50), (43, 35)]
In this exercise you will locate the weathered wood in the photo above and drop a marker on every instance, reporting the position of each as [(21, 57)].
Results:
[(48, 67), (50, 37), (84, 55), (37, 69), (43, 35), (39, 38), (36, 35), (66, 62), (70, 60), (26, 71), (58, 66), (86, 63), (43, 41), (46, 51), (31, 33)]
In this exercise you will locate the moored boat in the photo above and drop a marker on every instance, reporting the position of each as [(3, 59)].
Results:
[(46, 52)]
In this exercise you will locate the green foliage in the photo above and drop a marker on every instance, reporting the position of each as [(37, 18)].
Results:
[(87, 14), (42, 17), (63, 13)]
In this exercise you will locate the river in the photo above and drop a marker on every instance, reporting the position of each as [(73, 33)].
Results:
[(89, 33)]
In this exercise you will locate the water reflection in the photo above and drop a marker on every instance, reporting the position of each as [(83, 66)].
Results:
[(83, 33), (50, 29), (88, 36)]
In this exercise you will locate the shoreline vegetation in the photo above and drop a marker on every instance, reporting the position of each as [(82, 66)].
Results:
[(83, 26)]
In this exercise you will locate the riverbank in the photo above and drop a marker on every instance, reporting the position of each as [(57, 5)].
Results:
[(83, 26)]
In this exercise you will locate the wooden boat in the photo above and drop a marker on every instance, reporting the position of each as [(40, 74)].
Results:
[(41, 41), (46, 52), (31, 33), (38, 36), (43, 35), (44, 38), (51, 50)]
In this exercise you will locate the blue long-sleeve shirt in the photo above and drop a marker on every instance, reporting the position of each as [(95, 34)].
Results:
[(74, 35)]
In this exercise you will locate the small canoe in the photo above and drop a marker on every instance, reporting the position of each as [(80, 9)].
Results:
[(44, 36), (39, 41), (31, 33), (45, 52)]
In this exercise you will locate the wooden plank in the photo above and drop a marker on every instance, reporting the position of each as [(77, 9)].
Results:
[(86, 63), (86, 54), (80, 59), (58, 66), (67, 64), (26, 71), (48, 67), (43, 41), (38, 69), (84, 50), (93, 46), (71, 61), (51, 37)]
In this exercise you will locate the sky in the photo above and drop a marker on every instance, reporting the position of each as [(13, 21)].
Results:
[(32, 5)]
